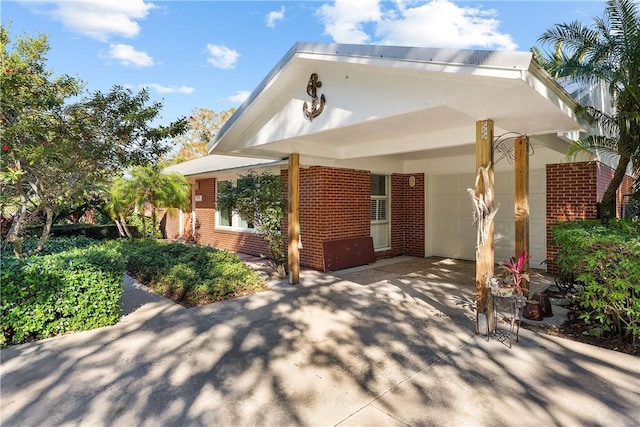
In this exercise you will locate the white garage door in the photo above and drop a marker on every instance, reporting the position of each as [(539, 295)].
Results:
[(450, 227)]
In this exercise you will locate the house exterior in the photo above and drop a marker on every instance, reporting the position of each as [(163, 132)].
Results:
[(386, 140)]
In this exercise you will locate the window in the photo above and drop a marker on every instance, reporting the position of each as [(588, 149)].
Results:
[(228, 218), (379, 214)]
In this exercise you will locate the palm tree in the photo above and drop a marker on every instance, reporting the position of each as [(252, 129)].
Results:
[(148, 186), (607, 54)]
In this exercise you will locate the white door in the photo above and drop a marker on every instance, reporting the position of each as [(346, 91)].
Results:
[(450, 222)]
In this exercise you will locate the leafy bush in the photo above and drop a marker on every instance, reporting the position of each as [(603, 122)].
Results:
[(605, 260), (76, 286), (189, 274), (98, 232)]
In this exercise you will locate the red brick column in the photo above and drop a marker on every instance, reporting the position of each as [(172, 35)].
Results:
[(334, 204), (572, 193), (407, 215)]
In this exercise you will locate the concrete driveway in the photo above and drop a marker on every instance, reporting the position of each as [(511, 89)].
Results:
[(392, 344)]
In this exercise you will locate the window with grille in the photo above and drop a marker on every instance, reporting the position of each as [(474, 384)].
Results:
[(227, 218)]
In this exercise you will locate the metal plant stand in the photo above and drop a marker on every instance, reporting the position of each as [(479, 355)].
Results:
[(512, 304)]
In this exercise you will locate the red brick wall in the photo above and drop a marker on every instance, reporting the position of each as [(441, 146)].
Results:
[(605, 175), (573, 191), (407, 216), (207, 234), (171, 229), (334, 204)]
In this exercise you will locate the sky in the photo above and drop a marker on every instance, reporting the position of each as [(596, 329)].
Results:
[(212, 54)]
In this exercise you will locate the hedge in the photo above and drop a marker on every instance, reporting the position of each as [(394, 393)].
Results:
[(75, 285), (605, 261), (189, 274)]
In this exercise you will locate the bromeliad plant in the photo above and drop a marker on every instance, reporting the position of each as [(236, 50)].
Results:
[(513, 269), (510, 280)]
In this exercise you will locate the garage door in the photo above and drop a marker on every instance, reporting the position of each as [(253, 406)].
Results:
[(451, 230), (450, 222)]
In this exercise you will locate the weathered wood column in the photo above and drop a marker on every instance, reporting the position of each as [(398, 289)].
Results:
[(294, 218), (521, 204), (484, 253)]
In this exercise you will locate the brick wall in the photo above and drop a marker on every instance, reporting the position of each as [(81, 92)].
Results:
[(236, 241), (407, 215), (573, 191), (605, 175), (334, 204), (170, 224)]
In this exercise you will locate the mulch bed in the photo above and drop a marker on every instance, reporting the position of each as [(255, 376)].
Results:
[(577, 330)]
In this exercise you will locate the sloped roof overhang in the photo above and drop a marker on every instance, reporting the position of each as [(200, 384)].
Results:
[(214, 165), (389, 100)]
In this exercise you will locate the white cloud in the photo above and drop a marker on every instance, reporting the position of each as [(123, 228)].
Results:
[(101, 19), (221, 56), (437, 23), (128, 56), (274, 16), (168, 89), (344, 19), (240, 96)]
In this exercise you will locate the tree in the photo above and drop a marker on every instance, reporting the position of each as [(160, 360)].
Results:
[(202, 126), (147, 186), (610, 54), (257, 197), (59, 147)]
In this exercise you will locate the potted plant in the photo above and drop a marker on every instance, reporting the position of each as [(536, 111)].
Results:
[(509, 282)]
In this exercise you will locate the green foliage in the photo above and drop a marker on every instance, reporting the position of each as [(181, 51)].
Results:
[(202, 126), (92, 231), (60, 146), (189, 274), (606, 261), (607, 53), (75, 286), (147, 186), (257, 197)]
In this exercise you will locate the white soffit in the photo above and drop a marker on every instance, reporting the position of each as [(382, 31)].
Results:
[(386, 100), (215, 163)]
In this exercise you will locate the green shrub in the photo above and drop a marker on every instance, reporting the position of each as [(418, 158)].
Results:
[(92, 231), (67, 289), (605, 260), (189, 274)]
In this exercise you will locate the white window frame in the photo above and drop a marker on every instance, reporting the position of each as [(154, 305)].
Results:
[(236, 220), (387, 221)]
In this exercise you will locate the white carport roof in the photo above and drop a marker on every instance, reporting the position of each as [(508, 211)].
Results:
[(208, 165), (399, 101)]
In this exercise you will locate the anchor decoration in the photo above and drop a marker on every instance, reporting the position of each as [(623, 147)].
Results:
[(317, 104)]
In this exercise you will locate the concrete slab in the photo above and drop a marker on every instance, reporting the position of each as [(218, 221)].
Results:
[(357, 347)]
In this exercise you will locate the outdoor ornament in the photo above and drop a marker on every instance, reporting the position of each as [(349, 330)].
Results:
[(317, 104), (483, 209)]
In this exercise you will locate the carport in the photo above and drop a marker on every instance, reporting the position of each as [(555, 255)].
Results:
[(400, 110)]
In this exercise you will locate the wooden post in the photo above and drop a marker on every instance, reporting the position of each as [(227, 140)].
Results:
[(484, 253), (521, 204), (294, 218)]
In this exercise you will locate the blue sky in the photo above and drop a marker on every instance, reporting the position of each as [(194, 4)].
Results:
[(212, 54)]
